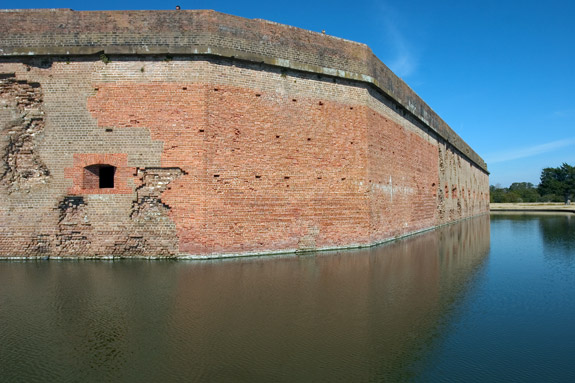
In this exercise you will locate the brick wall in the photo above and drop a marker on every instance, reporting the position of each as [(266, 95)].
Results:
[(218, 157), (211, 155)]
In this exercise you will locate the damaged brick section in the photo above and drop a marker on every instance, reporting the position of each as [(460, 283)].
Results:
[(150, 215), (154, 181), (73, 227), (130, 246), (40, 244), (22, 167)]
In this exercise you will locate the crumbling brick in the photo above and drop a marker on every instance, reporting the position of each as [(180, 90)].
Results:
[(22, 167), (154, 181)]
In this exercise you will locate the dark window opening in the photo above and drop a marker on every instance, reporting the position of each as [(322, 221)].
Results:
[(107, 177), (99, 176)]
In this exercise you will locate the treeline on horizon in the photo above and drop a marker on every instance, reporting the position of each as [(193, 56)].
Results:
[(556, 185)]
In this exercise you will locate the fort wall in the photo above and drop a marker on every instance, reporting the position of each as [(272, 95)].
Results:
[(225, 136)]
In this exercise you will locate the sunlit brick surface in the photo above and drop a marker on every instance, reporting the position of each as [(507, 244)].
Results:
[(214, 156)]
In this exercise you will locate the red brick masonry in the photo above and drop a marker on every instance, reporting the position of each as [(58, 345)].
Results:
[(87, 183), (215, 156)]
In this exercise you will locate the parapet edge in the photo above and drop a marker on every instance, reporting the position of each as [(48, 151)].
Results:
[(207, 32)]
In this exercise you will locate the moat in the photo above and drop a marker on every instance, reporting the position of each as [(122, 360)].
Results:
[(486, 299)]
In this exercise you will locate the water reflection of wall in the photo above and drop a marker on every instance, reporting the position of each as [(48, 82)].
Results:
[(343, 316), (356, 315)]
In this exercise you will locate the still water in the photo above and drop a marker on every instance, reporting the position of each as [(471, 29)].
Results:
[(479, 300)]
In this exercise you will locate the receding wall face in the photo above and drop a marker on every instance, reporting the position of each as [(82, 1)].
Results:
[(201, 156), (402, 179), (463, 189)]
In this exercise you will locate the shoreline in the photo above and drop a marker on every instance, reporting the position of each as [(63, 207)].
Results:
[(532, 207)]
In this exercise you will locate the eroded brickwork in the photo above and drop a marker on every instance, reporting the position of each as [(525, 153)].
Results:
[(462, 190), (74, 228), (22, 104), (149, 206)]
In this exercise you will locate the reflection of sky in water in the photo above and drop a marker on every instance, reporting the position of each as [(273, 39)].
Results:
[(516, 323), (446, 304)]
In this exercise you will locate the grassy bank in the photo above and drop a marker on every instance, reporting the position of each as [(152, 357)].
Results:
[(533, 206)]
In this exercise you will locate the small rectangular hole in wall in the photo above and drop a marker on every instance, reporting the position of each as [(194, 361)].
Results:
[(201, 130), (98, 176), (216, 175), (343, 179), (109, 130), (294, 100), (258, 95), (286, 178), (106, 180), (258, 176)]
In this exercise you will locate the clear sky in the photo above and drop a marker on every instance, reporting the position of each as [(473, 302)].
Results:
[(501, 73)]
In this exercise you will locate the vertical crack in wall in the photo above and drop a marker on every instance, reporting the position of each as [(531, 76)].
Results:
[(22, 167)]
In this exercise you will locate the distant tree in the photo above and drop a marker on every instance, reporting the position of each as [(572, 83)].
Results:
[(557, 182), (503, 195), (521, 186), (526, 191), (496, 194), (512, 196)]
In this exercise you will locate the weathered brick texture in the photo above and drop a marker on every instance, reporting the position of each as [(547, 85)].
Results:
[(215, 156)]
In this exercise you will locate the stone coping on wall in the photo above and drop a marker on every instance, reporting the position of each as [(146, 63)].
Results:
[(64, 32)]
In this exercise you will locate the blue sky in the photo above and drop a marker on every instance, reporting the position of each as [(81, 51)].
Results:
[(500, 73)]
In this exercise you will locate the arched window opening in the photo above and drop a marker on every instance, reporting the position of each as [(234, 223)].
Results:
[(99, 176)]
